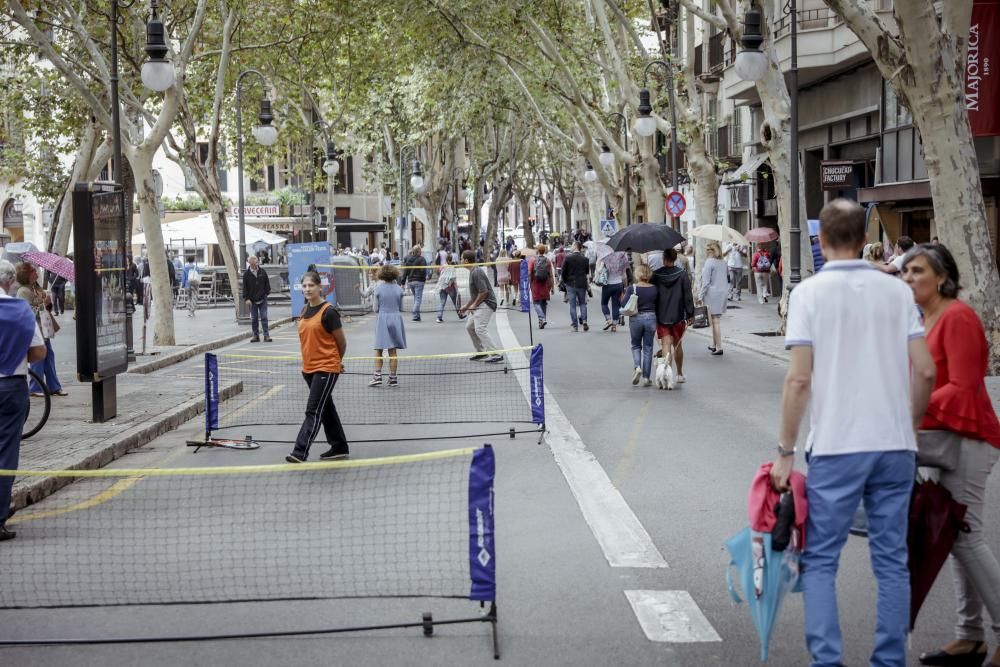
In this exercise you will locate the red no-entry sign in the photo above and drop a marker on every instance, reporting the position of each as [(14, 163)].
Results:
[(676, 204)]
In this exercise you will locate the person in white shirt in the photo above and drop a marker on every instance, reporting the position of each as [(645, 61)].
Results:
[(21, 343), (847, 324), (736, 260), (895, 265)]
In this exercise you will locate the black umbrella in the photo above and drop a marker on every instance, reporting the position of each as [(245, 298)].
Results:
[(645, 237)]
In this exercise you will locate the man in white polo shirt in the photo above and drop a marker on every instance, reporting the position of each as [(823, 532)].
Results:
[(846, 325)]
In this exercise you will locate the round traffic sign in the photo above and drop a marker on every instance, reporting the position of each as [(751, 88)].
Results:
[(676, 204)]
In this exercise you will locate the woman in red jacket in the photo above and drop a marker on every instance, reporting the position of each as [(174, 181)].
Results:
[(542, 282), (960, 408)]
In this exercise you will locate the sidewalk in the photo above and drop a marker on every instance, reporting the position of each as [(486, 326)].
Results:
[(148, 405)]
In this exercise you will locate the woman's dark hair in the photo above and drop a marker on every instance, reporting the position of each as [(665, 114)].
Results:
[(313, 276), (942, 263)]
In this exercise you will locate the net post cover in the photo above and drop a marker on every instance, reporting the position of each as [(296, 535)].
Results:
[(211, 393), (535, 375), (482, 546), (525, 287)]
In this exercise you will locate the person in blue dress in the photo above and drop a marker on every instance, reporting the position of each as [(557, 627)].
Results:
[(389, 332)]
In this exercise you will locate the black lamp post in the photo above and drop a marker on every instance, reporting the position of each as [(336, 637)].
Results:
[(751, 65), (645, 124), (266, 135), (607, 158), (157, 75), (417, 183)]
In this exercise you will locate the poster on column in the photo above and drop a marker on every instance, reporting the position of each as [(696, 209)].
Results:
[(982, 82), (300, 257)]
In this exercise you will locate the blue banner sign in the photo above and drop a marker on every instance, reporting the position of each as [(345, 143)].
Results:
[(211, 393), (300, 257), (524, 296), (537, 380), (482, 547)]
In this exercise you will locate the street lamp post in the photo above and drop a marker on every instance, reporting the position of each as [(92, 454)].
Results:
[(752, 65), (157, 75), (607, 158), (266, 135), (331, 167), (417, 183), (645, 124)]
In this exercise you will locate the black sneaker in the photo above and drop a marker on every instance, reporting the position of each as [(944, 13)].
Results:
[(479, 357), (255, 339), (267, 339), (292, 458), (7, 534), (333, 455), (495, 359), (585, 327), (393, 381)]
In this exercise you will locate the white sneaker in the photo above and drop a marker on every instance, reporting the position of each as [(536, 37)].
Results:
[(636, 375), (647, 382), (681, 379)]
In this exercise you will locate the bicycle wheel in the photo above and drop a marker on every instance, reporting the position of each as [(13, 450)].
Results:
[(38, 408)]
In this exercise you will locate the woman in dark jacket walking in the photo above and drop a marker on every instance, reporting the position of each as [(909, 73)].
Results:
[(541, 288)]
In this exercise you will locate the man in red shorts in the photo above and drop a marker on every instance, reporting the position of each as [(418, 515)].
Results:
[(674, 308)]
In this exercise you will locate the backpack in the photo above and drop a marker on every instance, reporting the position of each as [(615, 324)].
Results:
[(542, 272), (763, 263)]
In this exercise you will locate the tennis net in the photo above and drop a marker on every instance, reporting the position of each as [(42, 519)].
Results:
[(352, 285), (418, 525), (432, 391)]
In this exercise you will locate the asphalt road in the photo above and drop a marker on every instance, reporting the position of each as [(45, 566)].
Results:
[(641, 500)]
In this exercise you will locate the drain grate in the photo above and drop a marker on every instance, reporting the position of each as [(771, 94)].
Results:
[(767, 334)]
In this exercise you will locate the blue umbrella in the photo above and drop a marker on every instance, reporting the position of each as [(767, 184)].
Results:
[(765, 578)]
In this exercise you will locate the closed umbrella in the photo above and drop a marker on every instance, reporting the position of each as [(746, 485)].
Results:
[(57, 264), (719, 233), (935, 521), (644, 237)]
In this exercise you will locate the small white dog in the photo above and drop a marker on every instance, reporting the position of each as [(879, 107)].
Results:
[(665, 374)]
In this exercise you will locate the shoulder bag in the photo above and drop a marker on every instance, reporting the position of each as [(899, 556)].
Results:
[(631, 306), (938, 449)]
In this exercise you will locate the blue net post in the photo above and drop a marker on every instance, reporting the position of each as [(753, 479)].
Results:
[(482, 545), (211, 394), (537, 381)]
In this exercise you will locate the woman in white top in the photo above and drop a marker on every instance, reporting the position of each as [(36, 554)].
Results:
[(503, 276), (714, 291), (612, 270)]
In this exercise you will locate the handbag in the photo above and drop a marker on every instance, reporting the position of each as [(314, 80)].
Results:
[(631, 306), (938, 449), (700, 317), (601, 275)]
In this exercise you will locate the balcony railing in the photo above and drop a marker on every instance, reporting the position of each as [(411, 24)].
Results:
[(716, 44), (809, 19)]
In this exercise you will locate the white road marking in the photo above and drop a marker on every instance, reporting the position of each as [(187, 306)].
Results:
[(671, 616), (621, 536)]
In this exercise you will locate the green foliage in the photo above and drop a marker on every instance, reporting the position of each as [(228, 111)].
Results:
[(191, 202)]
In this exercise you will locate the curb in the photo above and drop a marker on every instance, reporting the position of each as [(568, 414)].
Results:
[(744, 346), (187, 353), (116, 447)]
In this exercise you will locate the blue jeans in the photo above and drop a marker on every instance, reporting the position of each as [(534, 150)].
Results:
[(834, 486), (258, 312), (577, 297), (46, 369), (541, 308), (417, 288), (13, 411), (612, 294), (643, 330)]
